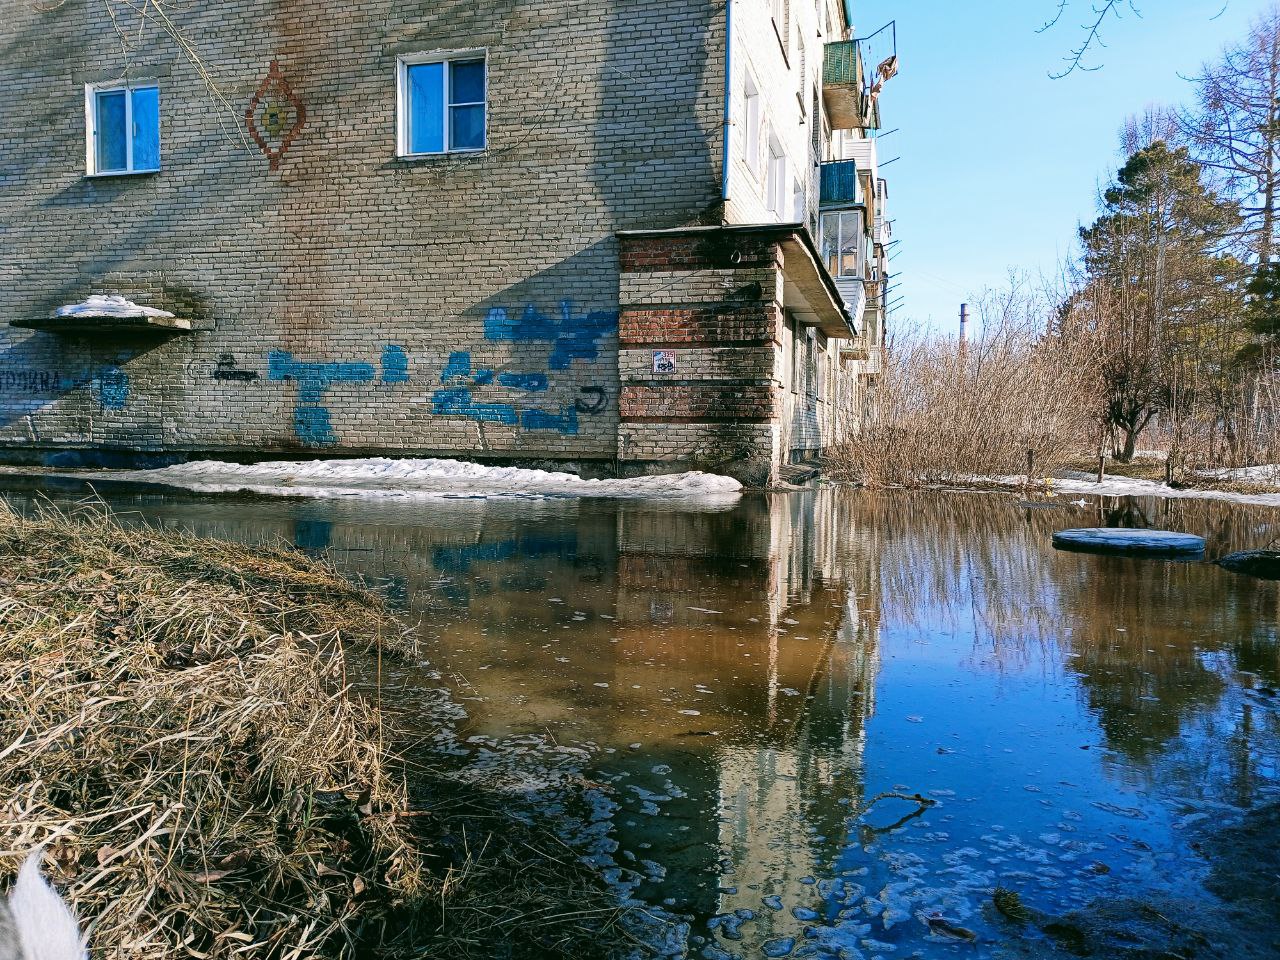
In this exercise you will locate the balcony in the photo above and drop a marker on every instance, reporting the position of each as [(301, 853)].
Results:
[(843, 84), (839, 184)]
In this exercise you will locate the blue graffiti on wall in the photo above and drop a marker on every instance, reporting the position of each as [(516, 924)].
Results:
[(459, 402), (573, 337), (113, 388), (533, 382), (395, 364), (108, 384), (566, 421), (457, 398), (458, 367), (311, 419)]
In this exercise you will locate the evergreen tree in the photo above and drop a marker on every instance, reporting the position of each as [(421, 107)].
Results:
[(1161, 285)]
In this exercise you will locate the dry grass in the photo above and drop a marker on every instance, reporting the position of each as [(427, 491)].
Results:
[(176, 727), (949, 412)]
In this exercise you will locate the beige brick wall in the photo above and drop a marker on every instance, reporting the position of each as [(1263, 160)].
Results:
[(368, 279)]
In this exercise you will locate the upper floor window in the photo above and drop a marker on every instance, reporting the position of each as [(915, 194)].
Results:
[(123, 129), (776, 183), (780, 10), (752, 123), (442, 104)]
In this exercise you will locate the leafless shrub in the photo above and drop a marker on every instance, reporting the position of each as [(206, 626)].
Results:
[(1234, 422), (949, 411)]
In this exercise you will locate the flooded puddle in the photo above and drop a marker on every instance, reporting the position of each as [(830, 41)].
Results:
[(756, 695)]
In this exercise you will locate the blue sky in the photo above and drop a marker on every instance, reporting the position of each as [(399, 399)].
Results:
[(999, 162)]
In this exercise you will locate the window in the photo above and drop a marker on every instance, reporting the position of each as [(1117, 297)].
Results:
[(799, 202), (810, 362), (442, 104), (123, 129), (797, 355), (842, 243), (802, 57), (779, 10), (775, 184), (751, 125)]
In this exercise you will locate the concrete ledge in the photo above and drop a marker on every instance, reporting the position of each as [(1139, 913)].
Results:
[(106, 326)]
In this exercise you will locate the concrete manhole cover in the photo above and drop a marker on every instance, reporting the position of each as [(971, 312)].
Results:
[(1120, 540)]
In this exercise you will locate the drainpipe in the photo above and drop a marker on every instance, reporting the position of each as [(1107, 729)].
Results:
[(728, 95)]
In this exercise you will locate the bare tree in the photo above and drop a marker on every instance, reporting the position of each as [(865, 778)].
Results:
[(1234, 128), (138, 23), (1156, 123), (1099, 11)]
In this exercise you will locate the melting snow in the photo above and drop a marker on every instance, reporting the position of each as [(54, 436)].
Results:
[(113, 306), (381, 476), (1076, 483), (1266, 473)]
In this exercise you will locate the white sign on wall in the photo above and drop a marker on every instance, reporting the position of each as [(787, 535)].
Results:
[(664, 361)]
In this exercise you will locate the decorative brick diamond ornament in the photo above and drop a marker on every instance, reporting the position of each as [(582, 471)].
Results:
[(275, 115)]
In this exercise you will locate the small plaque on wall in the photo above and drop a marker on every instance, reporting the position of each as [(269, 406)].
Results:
[(664, 361)]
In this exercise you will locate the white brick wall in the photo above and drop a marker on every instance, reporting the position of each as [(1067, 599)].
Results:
[(776, 70)]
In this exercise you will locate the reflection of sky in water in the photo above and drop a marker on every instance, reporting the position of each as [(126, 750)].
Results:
[(737, 683)]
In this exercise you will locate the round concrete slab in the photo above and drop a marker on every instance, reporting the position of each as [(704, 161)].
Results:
[(1263, 564), (1136, 543)]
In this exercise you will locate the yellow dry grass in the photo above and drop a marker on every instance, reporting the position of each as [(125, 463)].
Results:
[(175, 728)]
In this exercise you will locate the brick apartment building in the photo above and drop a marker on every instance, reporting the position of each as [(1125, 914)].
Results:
[(633, 235)]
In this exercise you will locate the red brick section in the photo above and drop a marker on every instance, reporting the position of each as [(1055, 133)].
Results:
[(694, 251), (679, 403), (697, 326)]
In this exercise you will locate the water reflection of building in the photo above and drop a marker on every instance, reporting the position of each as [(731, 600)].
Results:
[(736, 646), (761, 603)]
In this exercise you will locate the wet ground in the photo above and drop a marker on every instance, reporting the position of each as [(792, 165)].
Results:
[(738, 685)]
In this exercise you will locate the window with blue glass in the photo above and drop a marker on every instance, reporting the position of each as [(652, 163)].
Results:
[(124, 130), (442, 105)]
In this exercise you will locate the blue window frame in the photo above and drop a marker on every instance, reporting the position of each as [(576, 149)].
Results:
[(124, 130), (443, 105)]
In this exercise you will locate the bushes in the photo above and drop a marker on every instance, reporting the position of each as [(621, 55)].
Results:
[(948, 412)]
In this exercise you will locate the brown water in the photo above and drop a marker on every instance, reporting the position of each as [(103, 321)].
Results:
[(738, 682)]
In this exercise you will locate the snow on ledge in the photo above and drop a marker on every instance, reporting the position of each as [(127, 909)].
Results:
[(385, 477), (112, 307)]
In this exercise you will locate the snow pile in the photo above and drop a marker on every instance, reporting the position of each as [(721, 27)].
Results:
[(109, 306), (381, 476), (1266, 473), (1074, 482)]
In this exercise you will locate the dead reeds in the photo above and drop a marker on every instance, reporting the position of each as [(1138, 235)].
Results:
[(949, 411)]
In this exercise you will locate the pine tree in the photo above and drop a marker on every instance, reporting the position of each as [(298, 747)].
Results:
[(1160, 277)]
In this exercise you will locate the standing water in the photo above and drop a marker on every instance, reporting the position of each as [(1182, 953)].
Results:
[(833, 724)]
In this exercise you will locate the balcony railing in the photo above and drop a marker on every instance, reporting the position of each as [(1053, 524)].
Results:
[(843, 84), (838, 184)]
